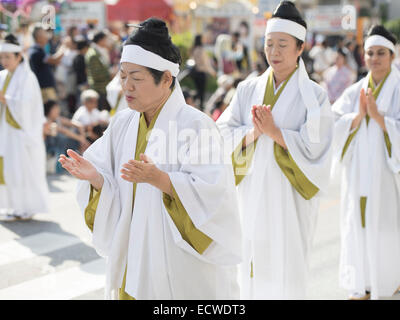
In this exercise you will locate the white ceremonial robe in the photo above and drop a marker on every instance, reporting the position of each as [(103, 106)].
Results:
[(160, 264), (370, 256), (23, 150), (278, 223), (113, 89)]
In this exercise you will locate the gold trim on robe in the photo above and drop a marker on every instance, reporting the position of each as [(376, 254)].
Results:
[(241, 158), (197, 239), (2, 181), (9, 118), (375, 93)]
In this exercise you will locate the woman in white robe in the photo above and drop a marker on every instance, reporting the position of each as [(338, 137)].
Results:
[(115, 95), (149, 254), (23, 185), (278, 196), (367, 146)]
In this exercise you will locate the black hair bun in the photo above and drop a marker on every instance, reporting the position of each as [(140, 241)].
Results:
[(151, 30), (287, 10), (382, 31), (152, 35), (10, 38)]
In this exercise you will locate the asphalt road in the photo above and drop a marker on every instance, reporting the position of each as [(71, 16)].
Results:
[(50, 257)]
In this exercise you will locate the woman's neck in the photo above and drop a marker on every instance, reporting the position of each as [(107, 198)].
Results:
[(282, 76), (11, 70), (149, 115), (377, 77)]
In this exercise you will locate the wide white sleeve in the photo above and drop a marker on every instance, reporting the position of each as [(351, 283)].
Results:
[(314, 159), (208, 194), (392, 123), (231, 123), (26, 108), (344, 113), (108, 210)]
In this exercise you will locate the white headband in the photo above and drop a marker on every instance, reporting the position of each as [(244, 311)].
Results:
[(9, 47), (377, 40), (137, 55), (284, 25)]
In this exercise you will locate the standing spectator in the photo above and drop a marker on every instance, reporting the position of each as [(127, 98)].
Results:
[(65, 75), (245, 39), (41, 63), (200, 70), (24, 36), (338, 77), (320, 56), (97, 67), (242, 63), (79, 66), (226, 56), (350, 46)]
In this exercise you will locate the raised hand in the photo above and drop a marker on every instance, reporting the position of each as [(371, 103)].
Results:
[(81, 168), (263, 120), (362, 110), (140, 171), (363, 104), (371, 107)]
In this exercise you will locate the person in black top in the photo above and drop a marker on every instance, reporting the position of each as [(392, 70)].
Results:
[(79, 65), (41, 63)]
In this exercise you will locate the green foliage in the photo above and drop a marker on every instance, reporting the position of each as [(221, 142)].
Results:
[(184, 42), (394, 27), (211, 85)]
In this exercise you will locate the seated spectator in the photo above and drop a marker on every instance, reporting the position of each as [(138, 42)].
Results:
[(189, 96), (223, 102), (225, 83), (60, 134), (90, 117)]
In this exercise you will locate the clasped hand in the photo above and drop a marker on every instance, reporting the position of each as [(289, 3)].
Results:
[(263, 121), (368, 104), (144, 171)]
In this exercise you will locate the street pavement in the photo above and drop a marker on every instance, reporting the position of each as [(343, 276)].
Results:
[(50, 257)]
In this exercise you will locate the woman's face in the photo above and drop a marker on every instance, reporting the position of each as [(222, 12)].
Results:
[(340, 60), (140, 90), (54, 112), (9, 60), (378, 59), (281, 51)]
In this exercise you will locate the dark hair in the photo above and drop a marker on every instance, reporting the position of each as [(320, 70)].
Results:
[(99, 36), (80, 44), (48, 106), (244, 24), (341, 52), (382, 31), (287, 10), (10, 38), (186, 93), (152, 35), (36, 30), (198, 41), (236, 34)]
